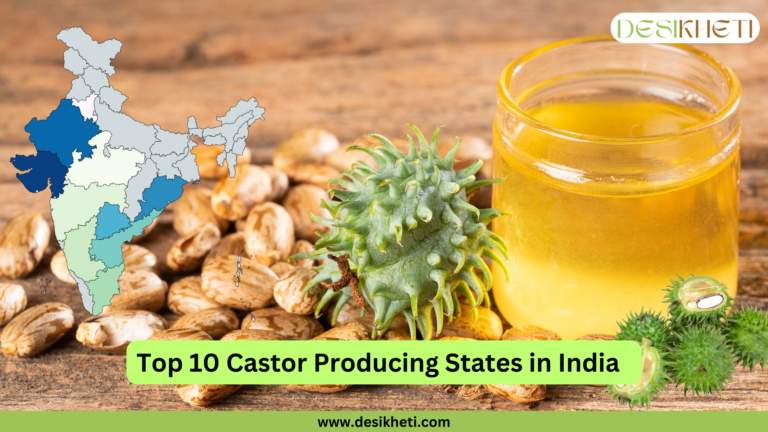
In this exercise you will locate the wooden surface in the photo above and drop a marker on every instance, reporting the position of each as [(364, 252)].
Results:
[(349, 67)]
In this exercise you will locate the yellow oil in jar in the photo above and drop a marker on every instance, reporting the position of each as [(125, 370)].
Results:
[(578, 262)]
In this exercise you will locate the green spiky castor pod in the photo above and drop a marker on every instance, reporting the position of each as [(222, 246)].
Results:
[(702, 362), (646, 325), (747, 333), (652, 380), (698, 299), (412, 239)]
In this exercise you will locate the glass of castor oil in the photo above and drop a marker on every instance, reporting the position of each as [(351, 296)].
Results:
[(622, 165)]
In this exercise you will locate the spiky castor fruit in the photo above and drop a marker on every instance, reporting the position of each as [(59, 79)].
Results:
[(646, 325), (747, 333), (404, 239), (702, 362), (698, 299), (652, 379)]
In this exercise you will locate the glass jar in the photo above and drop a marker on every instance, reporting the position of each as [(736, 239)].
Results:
[(622, 165)]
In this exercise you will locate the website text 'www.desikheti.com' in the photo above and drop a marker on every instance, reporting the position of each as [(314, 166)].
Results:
[(383, 422)]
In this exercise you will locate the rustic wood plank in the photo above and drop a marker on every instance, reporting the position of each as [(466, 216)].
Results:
[(342, 71), (329, 65)]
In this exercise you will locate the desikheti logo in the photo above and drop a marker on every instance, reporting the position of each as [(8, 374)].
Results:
[(685, 27)]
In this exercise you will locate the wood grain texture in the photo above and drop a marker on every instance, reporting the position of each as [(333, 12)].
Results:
[(349, 67)]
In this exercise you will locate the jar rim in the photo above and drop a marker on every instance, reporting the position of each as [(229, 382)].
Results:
[(730, 105)]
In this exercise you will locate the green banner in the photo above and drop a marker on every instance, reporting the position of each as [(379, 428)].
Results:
[(383, 362), (626, 421)]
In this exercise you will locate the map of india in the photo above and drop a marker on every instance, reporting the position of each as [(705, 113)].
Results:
[(109, 175)]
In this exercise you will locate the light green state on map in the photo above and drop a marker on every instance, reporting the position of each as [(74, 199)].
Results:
[(76, 246), (78, 204), (104, 287), (109, 250)]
